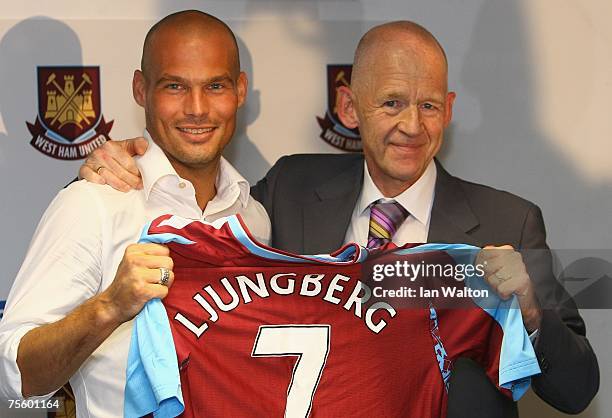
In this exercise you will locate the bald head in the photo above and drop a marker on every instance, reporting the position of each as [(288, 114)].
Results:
[(405, 38), (188, 23)]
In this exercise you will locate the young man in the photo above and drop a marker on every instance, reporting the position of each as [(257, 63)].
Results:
[(69, 312)]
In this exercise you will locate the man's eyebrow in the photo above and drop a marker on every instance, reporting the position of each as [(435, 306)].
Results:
[(169, 77), (164, 78), (218, 79), (435, 99), (394, 95)]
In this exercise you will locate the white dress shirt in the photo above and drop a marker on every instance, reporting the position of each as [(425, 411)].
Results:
[(74, 256), (417, 200)]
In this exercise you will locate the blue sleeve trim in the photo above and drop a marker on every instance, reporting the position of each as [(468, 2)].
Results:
[(162, 238), (461, 253), (153, 382), (517, 359), (518, 378)]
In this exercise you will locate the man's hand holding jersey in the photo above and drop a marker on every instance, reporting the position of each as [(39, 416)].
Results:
[(507, 274), (139, 278)]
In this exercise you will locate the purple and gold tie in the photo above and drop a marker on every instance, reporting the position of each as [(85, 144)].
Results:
[(385, 219)]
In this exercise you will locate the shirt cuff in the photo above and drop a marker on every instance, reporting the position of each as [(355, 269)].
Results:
[(9, 345)]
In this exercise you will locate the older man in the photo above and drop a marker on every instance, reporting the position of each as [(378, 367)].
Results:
[(400, 102), (69, 312)]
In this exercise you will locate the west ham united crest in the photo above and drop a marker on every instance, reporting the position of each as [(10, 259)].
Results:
[(70, 122), (333, 131)]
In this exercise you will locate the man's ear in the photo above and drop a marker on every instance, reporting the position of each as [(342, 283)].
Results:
[(345, 107), (448, 111), (138, 87), (242, 86)]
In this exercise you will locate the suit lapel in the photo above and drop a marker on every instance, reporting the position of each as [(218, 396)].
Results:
[(327, 218), (451, 216)]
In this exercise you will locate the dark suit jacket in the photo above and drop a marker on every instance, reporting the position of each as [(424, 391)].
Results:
[(310, 199)]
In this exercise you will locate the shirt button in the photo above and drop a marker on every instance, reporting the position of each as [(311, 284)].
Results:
[(182, 185)]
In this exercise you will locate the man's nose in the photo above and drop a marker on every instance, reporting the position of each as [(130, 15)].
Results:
[(410, 121), (197, 103)]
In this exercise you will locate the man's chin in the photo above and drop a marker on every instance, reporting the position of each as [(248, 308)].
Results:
[(198, 161), (407, 175)]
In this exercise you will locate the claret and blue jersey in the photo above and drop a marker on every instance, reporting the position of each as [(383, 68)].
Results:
[(250, 331)]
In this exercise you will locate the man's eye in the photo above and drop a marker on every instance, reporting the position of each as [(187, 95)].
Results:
[(391, 103), (428, 106), (216, 86), (173, 86)]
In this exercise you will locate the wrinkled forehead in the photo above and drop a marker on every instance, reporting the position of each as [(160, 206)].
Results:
[(411, 60), (403, 65), (409, 55)]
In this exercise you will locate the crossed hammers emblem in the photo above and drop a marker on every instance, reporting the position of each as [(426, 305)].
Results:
[(69, 98)]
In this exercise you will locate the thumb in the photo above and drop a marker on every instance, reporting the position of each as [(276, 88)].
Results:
[(136, 146)]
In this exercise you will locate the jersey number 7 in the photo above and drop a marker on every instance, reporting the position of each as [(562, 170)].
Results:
[(310, 343)]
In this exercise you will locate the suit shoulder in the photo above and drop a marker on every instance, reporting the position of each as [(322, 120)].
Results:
[(331, 162), (483, 191), (485, 199), (315, 168), (298, 176), (503, 217)]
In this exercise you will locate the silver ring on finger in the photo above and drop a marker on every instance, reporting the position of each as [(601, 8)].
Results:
[(165, 276)]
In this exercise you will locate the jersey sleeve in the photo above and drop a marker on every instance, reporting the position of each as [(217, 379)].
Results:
[(152, 375), (517, 360), (487, 329)]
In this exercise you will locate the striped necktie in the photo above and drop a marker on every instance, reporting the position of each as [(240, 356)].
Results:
[(385, 219)]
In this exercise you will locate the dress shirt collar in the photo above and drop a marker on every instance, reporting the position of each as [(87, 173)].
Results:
[(417, 199), (154, 165), (228, 178)]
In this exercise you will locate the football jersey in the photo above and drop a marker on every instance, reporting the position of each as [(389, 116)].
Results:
[(251, 331)]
